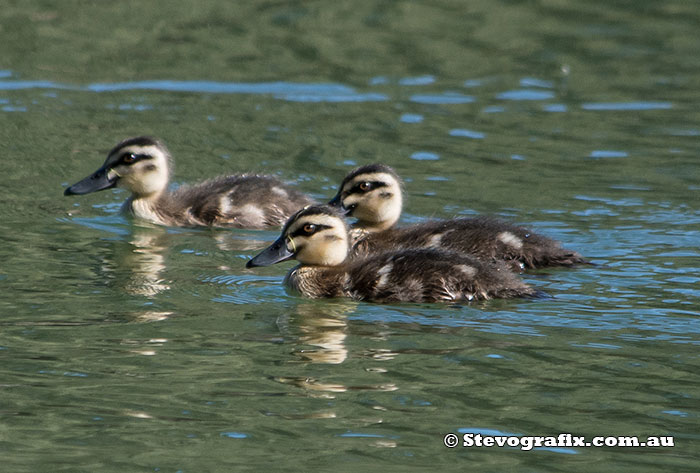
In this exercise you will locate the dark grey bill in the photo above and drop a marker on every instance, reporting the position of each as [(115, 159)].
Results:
[(337, 202), (275, 253), (97, 181)]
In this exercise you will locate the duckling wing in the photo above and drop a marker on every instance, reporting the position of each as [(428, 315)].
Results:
[(484, 237), (242, 201), (493, 238)]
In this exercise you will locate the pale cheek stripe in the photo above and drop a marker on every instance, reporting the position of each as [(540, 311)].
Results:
[(291, 242)]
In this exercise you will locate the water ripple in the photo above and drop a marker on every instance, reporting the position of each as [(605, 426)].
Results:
[(32, 84), (248, 288), (411, 118), (234, 435), (448, 98), (116, 224), (627, 106), (421, 80), (476, 135), (533, 82), (525, 94), (555, 108), (297, 92), (425, 156), (604, 153)]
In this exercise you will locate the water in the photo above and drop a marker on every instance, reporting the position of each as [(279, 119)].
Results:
[(128, 347)]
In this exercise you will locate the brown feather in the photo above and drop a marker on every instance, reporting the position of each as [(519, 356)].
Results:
[(417, 275), (483, 237)]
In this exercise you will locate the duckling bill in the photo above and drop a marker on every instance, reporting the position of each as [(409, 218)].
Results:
[(101, 179), (317, 237), (372, 194), (142, 166)]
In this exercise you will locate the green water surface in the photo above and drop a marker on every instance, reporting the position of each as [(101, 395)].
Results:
[(134, 348)]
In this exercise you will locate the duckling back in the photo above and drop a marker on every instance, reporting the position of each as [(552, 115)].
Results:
[(483, 237), (413, 275), (237, 201)]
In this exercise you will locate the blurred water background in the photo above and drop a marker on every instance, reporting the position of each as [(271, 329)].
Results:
[(128, 347)]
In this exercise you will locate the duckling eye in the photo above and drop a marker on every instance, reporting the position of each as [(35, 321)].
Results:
[(309, 228), (365, 186), (129, 158)]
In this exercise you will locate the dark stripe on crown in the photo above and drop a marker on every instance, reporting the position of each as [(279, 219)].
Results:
[(369, 169), (138, 141), (313, 210)]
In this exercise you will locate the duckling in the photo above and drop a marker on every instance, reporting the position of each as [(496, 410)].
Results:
[(142, 166), (317, 237), (372, 194)]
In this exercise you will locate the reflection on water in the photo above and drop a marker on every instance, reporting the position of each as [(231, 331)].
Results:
[(239, 241), (313, 385), (294, 92), (148, 316), (147, 262), (145, 347), (127, 347), (323, 326)]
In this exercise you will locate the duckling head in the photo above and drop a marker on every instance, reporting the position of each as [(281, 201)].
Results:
[(371, 194), (316, 235), (140, 165)]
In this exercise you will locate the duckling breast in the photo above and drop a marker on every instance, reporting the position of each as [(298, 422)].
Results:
[(318, 282), (150, 210)]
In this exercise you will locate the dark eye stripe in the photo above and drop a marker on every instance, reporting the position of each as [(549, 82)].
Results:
[(372, 185), (131, 158), (301, 232)]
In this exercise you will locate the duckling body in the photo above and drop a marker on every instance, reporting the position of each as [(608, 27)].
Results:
[(372, 194), (142, 166), (414, 275), (483, 237), (239, 201), (318, 238)]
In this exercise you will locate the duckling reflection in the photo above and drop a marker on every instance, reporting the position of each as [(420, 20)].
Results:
[(148, 316), (324, 327), (142, 166), (323, 388), (146, 262), (144, 347), (228, 241), (372, 194), (312, 384), (317, 237)]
